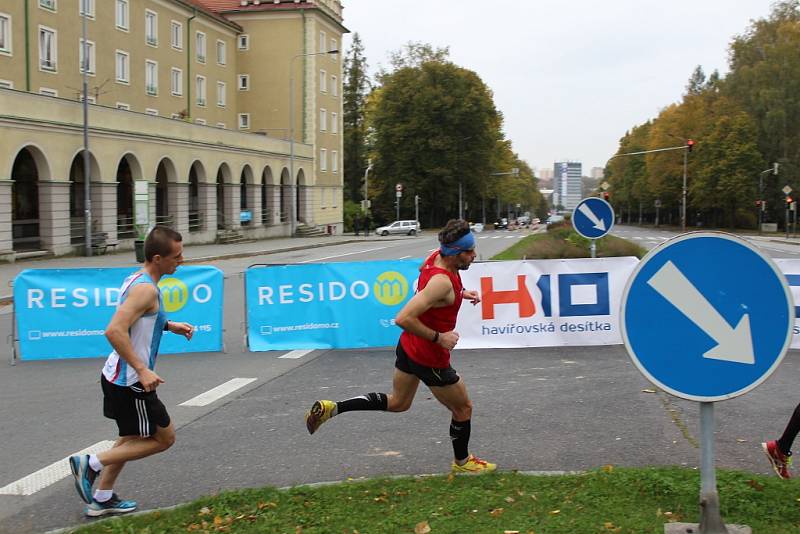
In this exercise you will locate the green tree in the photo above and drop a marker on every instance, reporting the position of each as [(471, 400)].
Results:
[(434, 127), (354, 92)]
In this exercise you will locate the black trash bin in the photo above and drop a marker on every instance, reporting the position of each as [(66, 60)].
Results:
[(138, 246)]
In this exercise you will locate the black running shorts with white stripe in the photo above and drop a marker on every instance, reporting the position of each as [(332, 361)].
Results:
[(136, 411)]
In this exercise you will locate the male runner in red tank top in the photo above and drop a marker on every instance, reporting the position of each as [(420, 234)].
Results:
[(423, 352)]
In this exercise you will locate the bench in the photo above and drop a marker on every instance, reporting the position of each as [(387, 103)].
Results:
[(101, 244)]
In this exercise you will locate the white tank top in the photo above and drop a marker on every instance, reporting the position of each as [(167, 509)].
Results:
[(145, 335)]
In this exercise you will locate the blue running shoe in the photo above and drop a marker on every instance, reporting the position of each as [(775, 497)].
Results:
[(84, 476), (114, 505)]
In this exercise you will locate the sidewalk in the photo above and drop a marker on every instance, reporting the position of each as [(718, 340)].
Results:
[(191, 254)]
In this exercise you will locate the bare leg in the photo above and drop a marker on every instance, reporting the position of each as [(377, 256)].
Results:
[(129, 448), (455, 398), (404, 387)]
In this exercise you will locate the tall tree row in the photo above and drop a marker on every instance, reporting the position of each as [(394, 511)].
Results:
[(741, 124), (432, 127)]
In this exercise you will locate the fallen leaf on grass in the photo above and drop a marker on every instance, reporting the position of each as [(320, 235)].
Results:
[(608, 468), (511, 532), (205, 510), (263, 505), (496, 512), (509, 499), (755, 485), (555, 512), (422, 528)]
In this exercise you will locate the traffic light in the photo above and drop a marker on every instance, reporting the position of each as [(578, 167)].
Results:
[(689, 145), (788, 200)]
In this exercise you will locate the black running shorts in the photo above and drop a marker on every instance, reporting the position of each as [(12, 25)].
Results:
[(136, 411), (431, 376)]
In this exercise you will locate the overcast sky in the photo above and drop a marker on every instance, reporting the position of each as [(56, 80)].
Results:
[(570, 77)]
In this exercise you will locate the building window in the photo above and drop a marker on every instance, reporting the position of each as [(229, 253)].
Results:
[(151, 77), (323, 81), (151, 111), (175, 116), (201, 122), (151, 27), (123, 106), (221, 125), (334, 122), (334, 46), (176, 35), (6, 84), (123, 67), (176, 81), (323, 159), (244, 121), (334, 86), (47, 49), (87, 8), (323, 42), (322, 198), (200, 47), (48, 4), (244, 42), (323, 120), (5, 34), (83, 63), (91, 99), (244, 82), (122, 15), (46, 91), (334, 161), (200, 90), (221, 52), (334, 197), (222, 98)]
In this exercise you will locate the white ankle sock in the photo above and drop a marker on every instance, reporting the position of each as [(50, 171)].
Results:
[(94, 463), (102, 495)]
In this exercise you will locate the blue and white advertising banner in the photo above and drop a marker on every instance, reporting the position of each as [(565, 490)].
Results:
[(544, 303), (327, 305), (63, 313), (791, 270)]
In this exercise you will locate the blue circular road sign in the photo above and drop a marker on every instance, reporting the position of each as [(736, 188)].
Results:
[(593, 217), (706, 316)]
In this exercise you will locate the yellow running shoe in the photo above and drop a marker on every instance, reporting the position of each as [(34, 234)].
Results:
[(321, 411), (473, 466)]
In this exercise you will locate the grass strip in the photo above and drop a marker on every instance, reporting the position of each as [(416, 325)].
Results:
[(618, 500)]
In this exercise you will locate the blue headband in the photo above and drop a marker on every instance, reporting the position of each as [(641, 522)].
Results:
[(462, 244)]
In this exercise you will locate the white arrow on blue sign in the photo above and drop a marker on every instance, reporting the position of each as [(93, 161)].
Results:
[(706, 316), (593, 217)]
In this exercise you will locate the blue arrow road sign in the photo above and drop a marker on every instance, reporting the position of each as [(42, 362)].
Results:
[(706, 316), (593, 217)]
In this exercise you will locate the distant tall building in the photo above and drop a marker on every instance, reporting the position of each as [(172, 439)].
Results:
[(597, 173), (567, 184), (545, 174)]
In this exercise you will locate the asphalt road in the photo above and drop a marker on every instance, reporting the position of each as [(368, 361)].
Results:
[(550, 409)]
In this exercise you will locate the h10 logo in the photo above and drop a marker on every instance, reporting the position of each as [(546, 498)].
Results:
[(568, 305)]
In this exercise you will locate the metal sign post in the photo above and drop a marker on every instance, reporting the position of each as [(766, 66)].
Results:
[(593, 218)]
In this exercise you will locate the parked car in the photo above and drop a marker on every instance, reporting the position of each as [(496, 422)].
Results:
[(502, 224), (554, 219), (399, 227), (476, 227)]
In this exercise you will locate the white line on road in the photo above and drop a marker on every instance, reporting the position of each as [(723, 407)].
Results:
[(214, 394), (295, 354), (341, 255), (404, 258), (49, 475)]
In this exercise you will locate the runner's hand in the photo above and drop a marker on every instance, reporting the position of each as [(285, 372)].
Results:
[(182, 329), (149, 380), (448, 340), (471, 296)]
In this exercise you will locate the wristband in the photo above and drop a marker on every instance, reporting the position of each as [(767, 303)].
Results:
[(435, 337), (166, 326)]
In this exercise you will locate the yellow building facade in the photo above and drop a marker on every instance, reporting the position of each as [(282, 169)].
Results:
[(188, 103)]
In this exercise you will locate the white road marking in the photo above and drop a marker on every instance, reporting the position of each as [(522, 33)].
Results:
[(295, 354), (49, 475), (214, 394), (404, 258), (342, 255)]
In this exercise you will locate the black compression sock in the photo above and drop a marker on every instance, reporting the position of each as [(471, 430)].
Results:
[(370, 401), (792, 429), (459, 435)]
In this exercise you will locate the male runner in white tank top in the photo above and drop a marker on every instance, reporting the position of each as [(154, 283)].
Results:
[(129, 380)]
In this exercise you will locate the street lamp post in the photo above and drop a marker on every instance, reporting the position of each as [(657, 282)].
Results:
[(293, 184), (773, 170), (513, 172), (87, 186)]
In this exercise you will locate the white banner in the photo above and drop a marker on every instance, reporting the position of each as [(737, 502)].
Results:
[(791, 270), (544, 303)]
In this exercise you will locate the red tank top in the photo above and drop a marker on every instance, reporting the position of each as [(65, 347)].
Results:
[(424, 351)]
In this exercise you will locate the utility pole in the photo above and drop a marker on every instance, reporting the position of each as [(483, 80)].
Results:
[(87, 186), (761, 207)]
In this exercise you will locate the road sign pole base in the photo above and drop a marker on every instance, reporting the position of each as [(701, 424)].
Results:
[(694, 528)]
